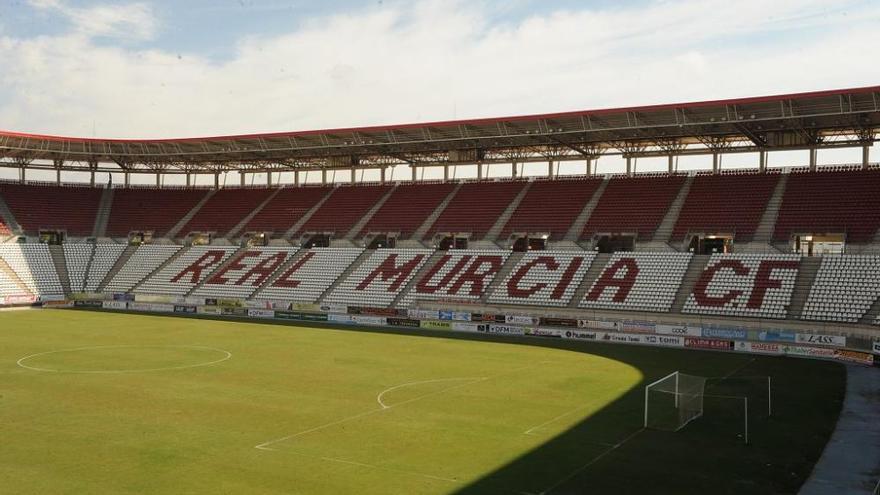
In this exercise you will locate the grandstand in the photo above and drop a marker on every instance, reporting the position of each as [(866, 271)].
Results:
[(738, 244)]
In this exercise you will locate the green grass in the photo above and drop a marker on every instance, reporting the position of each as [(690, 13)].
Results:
[(459, 427)]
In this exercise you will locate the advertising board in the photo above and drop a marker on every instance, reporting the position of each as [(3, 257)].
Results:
[(502, 329), (583, 335), (375, 321), (759, 347), (877, 347), (209, 310), (520, 320), (610, 326), (854, 356), (682, 330), (624, 338), (545, 332), (558, 322), (90, 304), (467, 327), (663, 340), (701, 343), (423, 314), (261, 313), (636, 327), (339, 318), (816, 339), (114, 305), (180, 308), (436, 325), (774, 336), (803, 350), (725, 333), (404, 322)]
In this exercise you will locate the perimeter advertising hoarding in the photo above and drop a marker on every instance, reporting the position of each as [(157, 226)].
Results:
[(802, 350), (58, 304), (234, 311), (558, 322), (209, 310), (454, 315), (663, 340), (636, 327), (123, 297), (624, 338), (877, 347), (502, 329), (701, 343), (339, 318), (682, 330), (468, 327), (725, 333), (376, 321), (404, 322), (854, 356), (545, 332), (261, 313), (583, 335), (19, 299), (180, 308), (810, 338), (93, 304), (423, 314), (759, 347), (436, 325), (114, 305), (520, 320), (774, 336), (488, 317), (598, 325)]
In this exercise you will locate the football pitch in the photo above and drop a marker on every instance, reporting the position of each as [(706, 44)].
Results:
[(94, 402)]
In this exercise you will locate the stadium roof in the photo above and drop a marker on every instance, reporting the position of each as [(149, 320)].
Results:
[(836, 118)]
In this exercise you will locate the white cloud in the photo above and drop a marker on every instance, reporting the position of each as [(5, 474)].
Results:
[(127, 21), (428, 60)]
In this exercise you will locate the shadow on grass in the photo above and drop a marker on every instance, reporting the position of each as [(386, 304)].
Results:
[(610, 452)]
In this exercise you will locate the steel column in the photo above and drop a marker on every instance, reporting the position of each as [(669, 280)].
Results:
[(813, 156), (762, 161), (866, 155)]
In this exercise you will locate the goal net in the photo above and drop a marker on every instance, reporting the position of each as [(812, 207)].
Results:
[(674, 401)]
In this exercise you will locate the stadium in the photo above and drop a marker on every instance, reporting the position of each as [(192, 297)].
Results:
[(665, 332), (439, 247)]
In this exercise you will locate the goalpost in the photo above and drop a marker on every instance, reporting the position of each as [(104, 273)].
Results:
[(674, 401), (678, 398)]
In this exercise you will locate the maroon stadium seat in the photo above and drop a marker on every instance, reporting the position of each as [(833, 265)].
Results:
[(286, 208), (476, 207), (831, 202), (552, 206), (407, 208), (225, 209), (346, 206), (634, 205), (731, 203), (52, 207), (156, 210)]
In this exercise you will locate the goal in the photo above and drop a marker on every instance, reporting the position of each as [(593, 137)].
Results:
[(678, 398), (674, 401)]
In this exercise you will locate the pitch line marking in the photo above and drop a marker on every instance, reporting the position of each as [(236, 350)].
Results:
[(422, 382), (265, 445), (375, 466), (592, 461), (531, 431), (227, 356)]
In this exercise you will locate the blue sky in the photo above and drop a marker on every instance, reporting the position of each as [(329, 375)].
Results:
[(160, 68)]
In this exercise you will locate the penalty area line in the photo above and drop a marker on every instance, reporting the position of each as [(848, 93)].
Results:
[(265, 445), (591, 462)]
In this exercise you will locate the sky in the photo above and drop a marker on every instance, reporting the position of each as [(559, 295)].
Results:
[(165, 68)]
